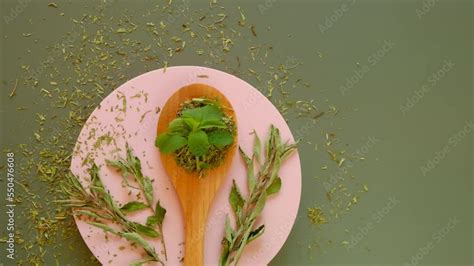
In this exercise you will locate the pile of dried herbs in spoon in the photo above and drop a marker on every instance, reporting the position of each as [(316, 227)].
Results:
[(261, 184), (97, 203), (200, 136)]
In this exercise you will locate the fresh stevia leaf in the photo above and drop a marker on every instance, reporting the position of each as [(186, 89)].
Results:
[(137, 239), (251, 180), (235, 198), (259, 206), (158, 217), (169, 143), (277, 137), (239, 218), (220, 138), (257, 146), (270, 143), (160, 212), (211, 113), (152, 220), (136, 263), (88, 213), (146, 230), (192, 124), (212, 124), (147, 187), (161, 139), (194, 113), (104, 227), (288, 150), (198, 143), (136, 165), (178, 126), (229, 232), (275, 169), (133, 206), (256, 233), (274, 187), (205, 113), (141, 262)]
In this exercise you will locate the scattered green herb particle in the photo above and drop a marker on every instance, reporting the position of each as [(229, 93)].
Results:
[(242, 17), (37, 137), (366, 188), (316, 216), (121, 30), (253, 30), (13, 91)]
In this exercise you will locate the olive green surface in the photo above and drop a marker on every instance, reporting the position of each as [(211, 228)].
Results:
[(390, 51)]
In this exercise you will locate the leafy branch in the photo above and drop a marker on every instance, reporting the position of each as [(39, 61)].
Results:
[(261, 184), (132, 166), (98, 204)]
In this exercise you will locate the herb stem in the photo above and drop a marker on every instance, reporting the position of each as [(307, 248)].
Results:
[(13, 92), (248, 209), (163, 242)]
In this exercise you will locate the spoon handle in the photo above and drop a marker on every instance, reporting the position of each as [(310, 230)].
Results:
[(195, 228)]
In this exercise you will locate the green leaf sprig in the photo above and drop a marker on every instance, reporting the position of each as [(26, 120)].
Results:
[(98, 204), (131, 166), (260, 185), (199, 134)]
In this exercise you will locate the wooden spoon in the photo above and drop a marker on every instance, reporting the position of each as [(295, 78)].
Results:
[(195, 194)]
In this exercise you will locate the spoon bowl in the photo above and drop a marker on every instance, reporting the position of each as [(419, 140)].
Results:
[(195, 193)]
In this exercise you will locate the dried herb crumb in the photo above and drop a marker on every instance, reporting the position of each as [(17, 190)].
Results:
[(13, 91), (316, 216)]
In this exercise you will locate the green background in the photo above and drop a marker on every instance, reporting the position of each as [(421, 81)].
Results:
[(371, 108)]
